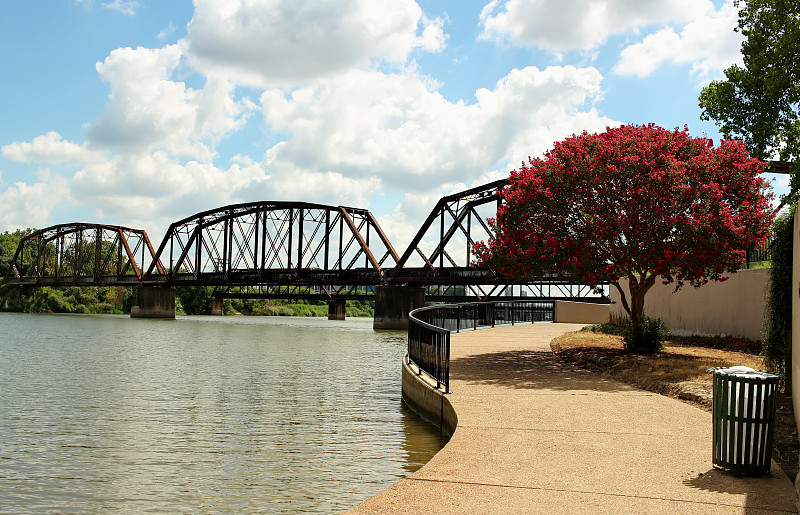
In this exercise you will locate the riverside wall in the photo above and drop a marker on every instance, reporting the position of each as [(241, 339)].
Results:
[(421, 394), (731, 308), (568, 312), (795, 366)]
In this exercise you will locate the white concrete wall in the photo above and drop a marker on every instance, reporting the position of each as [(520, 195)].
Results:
[(581, 312), (732, 308), (796, 322)]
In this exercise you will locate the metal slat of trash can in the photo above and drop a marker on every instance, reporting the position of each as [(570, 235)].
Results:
[(743, 408)]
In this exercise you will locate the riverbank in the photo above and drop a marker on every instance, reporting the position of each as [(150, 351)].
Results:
[(538, 435)]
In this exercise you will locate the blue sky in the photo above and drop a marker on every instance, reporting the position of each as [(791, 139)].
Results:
[(140, 113)]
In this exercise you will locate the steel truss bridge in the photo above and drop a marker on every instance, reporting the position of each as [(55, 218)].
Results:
[(288, 250)]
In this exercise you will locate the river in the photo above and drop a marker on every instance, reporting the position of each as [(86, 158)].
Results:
[(201, 414)]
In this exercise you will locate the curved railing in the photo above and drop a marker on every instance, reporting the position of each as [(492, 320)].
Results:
[(429, 329)]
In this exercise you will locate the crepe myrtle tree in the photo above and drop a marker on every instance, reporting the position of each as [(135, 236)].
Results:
[(636, 202)]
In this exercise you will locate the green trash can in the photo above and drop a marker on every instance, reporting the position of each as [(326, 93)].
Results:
[(744, 419)]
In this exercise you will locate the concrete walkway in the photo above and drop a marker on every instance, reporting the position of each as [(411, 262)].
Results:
[(538, 436)]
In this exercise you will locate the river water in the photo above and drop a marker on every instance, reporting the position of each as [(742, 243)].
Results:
[(201, 414)]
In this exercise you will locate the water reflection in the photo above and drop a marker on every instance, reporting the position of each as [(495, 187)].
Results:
[(421, 440), (201, 415)]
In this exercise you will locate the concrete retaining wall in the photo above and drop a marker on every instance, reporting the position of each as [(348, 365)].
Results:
[(581, 312), (421, 394), (733, 308), (796, 324)]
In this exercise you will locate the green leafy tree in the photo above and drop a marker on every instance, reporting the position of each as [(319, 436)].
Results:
[(195, 300), (776, 342), (759, 101), (71, 299)]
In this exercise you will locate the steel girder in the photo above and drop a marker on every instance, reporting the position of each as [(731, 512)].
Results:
[(275, 242), (288, 250), (82, 254)]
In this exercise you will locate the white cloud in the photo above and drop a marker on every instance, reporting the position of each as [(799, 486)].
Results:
[(280, 42), (147, 110), (563, 25), (347, 140), (50, 148), (161, 179), (167, 32), (288, 182), (709, 43), (364, 124), (349, 135), (31, 205), (127, 7), (151, 190)]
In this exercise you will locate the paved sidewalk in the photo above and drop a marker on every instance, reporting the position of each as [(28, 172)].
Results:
[(536, 435)]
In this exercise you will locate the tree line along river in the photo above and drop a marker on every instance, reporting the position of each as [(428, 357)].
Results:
[(201, 414)]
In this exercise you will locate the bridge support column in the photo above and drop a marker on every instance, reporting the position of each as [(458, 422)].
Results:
[(393, 303), (153, 302), (336, 309), (217, 307)]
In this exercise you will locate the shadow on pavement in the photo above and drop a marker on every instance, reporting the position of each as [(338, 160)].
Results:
[(757, 490), (527, 369)]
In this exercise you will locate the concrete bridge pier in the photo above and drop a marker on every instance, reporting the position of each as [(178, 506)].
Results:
[(217, 307), (153, 302), (336, 309), (393, 303)]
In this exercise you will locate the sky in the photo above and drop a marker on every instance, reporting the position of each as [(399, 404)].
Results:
[(142, 112)]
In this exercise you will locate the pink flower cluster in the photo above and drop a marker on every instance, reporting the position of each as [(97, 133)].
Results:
[(634, 202)]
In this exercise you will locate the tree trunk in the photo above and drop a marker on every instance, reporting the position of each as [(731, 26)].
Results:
[(638, 289)]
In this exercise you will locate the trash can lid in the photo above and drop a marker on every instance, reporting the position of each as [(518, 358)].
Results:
[(742, 371)]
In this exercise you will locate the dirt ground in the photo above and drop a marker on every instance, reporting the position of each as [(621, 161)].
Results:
[(680, 372)]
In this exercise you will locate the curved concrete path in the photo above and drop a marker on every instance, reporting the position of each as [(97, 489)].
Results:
[(538, 436)]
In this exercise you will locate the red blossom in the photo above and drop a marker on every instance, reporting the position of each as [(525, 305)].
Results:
[(638, 202)]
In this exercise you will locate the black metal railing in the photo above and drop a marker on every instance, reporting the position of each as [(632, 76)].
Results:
[(429, 329), (762, 254)]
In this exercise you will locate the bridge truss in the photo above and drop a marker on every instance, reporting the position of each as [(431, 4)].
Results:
[(274, 243), (82, 254), (289, 250)]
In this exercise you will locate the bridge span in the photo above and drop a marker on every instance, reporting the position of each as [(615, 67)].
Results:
[(289, 250)]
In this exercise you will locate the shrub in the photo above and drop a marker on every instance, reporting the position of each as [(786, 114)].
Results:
[(777, 349), (649, 339)]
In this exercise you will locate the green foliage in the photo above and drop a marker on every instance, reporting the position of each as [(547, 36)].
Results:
[(194, 300), (607, 328), (72, 299), (8, 247), (776, 347), (299, 308), (759, 102), (360, 308), (648, 338)]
